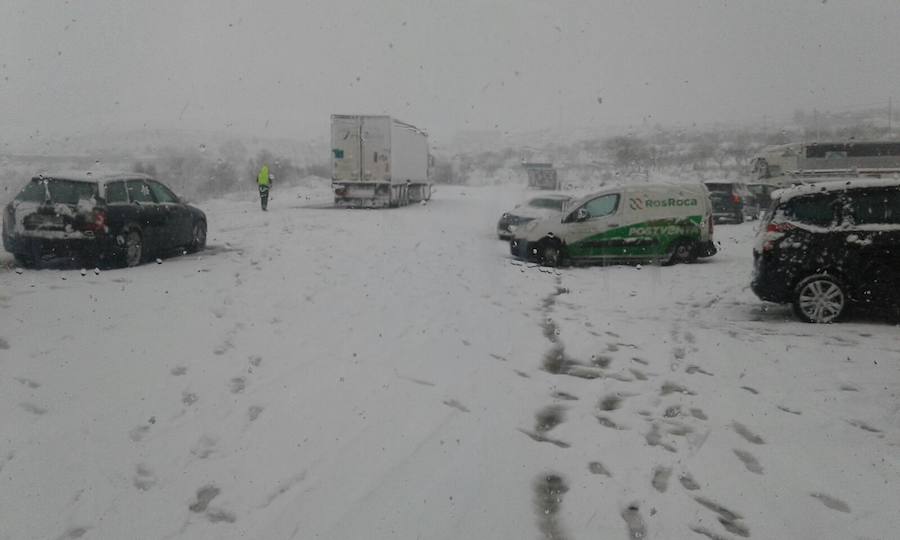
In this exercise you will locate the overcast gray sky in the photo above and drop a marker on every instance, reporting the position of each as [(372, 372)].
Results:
[(282, 67)]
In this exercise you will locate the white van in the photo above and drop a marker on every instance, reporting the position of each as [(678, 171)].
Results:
[(669, 223)]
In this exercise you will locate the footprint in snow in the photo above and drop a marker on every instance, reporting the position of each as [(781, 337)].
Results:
[(189, 398), (28, 382), (3, 343), (748, 435), (237, 385), (549, 417), (750, 389), (564, 396), (831, 502), (749, 461), (205, 495), (33, 409), (635, 523), (74, 532), (178, 371), (863, 426), (144, 478), (254, 411), (660, 479), (688, 482), (610, 403), (597, 468), (549, 490), (455, 404)]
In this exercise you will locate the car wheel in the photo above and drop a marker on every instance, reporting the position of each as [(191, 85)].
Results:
[(24, 260), (551, 253), (820, 299), (198, 236), (133, 249), (683, 251)]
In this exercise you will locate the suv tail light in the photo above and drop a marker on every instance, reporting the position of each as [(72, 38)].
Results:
[(778, 227), (98, 224), (736, 199)]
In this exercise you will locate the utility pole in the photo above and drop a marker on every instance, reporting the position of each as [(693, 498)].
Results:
[(816, 123)]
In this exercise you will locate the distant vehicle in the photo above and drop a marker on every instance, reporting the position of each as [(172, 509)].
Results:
[(732, 202), (785, 164), (115, 219), (541, 176), (378, 161), (827, 246), (670, 223), (534, 208)]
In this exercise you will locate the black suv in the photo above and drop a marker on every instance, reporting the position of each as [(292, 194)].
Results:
[(103, 218), (825, 246)]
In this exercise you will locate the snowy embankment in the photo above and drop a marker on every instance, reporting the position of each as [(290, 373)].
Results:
[(322, 373)]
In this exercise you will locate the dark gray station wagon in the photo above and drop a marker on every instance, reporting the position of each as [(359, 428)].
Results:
[(118, 219)]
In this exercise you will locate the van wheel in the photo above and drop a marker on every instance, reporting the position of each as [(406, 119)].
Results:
[(820, 299), (683, 252), (551, 253)]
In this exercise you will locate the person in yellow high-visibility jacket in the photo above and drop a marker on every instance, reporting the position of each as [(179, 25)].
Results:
[(264, 181)]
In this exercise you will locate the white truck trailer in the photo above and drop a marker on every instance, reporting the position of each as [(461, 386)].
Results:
[(378, 161)]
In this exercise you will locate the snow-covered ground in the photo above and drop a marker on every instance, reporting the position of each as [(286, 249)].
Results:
[(350, 374)]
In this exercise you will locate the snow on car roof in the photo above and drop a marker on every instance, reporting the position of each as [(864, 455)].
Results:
[(92, 176), (833, 185)]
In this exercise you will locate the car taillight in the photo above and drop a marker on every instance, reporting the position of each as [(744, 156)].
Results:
[(98, 224), (736, 199)]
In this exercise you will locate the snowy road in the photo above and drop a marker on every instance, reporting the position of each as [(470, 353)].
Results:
[(339, 374)]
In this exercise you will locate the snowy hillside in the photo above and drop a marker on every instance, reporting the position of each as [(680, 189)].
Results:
[(341, 374)]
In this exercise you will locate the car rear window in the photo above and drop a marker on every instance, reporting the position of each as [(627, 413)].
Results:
[(34, 191), (815, 210), (60, 191)]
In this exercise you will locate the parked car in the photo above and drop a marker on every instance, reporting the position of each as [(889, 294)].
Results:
[(656, 222), (534, 208), (826, 246), (732, 202), (116, 219)]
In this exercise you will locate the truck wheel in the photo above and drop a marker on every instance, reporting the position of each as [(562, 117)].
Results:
[(820, 299)]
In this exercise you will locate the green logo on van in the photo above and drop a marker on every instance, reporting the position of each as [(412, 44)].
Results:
[(640, 204)]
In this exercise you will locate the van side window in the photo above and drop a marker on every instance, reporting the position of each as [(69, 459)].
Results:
[(602, 206), (815, 210), (115, 193), (876, 206)]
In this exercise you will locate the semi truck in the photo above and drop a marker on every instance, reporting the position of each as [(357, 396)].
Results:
[(541, 175), (378, 161)]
